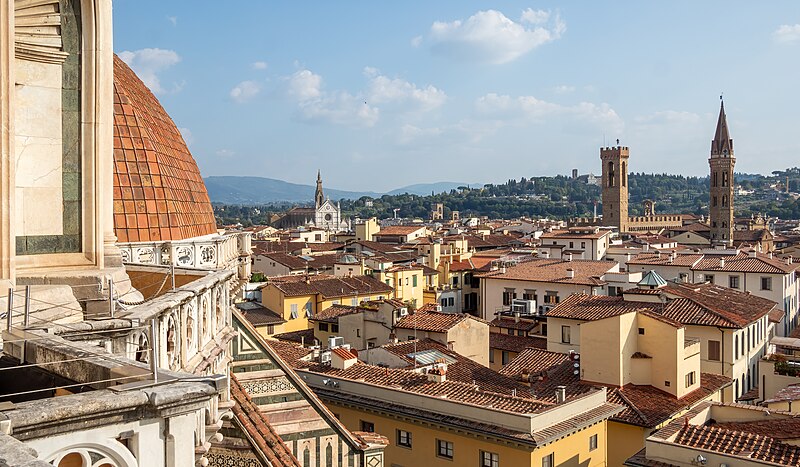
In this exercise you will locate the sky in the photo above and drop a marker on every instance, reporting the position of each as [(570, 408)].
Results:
[(379, 95)]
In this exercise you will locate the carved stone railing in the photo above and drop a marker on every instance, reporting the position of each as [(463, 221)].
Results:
[(229, 251)]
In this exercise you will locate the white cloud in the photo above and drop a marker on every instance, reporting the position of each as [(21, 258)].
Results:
[(259, 65), (416, 41), (225, 153), (305, 85), (245, 91), (385, 90), (787, 33), (532, 16), (564, 89), (490, 37), (148, 63), (173, 20), (528, 108), (362, 108)]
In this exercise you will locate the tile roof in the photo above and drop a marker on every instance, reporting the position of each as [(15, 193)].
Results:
[(743, 262), (258, 428), (343, 353), (258, 314), (739, 444), (333, 312), (596, 307), (789, 393), (517, 344), (579, 233), (303, 336), (511, 323), (720, 305), (159, 193), (329, 286), (555, 270), (381, 247), (645, 406), (640, 460), (664, 259), (399, 230), (462, 370), (433, 321), (777, 428), (474, 263)]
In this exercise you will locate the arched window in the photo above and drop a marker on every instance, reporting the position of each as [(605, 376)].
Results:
[(610, 174), (724, 201), (329, 456), (624, 173), (724, 178)]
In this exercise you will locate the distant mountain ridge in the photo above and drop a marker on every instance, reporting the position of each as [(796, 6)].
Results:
[(262, 190)]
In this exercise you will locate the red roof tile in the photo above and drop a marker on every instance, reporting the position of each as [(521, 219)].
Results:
[(515, 343), (159, 193), (739, 443), (433, 321), (555, 270)]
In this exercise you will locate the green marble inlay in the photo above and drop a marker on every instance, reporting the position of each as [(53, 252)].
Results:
[(70, 241)]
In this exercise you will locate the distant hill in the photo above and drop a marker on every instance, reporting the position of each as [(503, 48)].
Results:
[(261, 190)]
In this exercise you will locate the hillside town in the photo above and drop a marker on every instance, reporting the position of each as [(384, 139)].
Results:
[(139, 333)]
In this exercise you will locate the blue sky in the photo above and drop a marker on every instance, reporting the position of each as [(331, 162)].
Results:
[(379, 95)]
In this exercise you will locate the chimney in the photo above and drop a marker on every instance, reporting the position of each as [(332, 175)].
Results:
[(438, 374), (568, 257), (752, 253), (570, 273), (722, 263), (788, 260), (561, 394)]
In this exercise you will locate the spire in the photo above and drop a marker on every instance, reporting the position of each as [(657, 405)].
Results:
[(319, 198), (722, 144)]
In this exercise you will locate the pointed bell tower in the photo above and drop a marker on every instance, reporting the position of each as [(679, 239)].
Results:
[(319, 198), (721, 164)]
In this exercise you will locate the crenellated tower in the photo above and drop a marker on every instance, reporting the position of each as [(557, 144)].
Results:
[(721, 164), (615, 186)]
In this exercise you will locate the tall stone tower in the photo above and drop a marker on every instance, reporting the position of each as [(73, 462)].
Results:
[(615, 186), (319, 198), (721, 163)]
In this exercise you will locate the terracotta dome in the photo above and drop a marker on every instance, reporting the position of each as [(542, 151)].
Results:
[(158, 191)]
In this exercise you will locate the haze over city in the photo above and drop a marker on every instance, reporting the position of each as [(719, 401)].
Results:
[(466, 91)]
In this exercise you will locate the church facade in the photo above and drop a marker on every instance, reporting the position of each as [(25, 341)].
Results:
[(325, 215)]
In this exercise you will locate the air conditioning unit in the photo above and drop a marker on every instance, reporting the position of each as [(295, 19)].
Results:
[(546, 309), (325, 357), (523, 307), (335, 341), (403, 311), (438, 307)]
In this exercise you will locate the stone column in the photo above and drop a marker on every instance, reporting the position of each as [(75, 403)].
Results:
[(105, 132), (7, 178)]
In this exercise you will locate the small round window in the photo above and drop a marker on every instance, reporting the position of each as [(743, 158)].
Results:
[(328, 217)]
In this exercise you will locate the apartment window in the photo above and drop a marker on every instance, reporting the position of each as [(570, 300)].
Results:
[(710, 278), (323, 327), (529, 294), (334, 328), (491, 355), (714, 351), (551, 298), (309, 310), (571, 245), (369, 427), (358, 334), (508, 296), (690, 379), (641, 331), (766, 283), (293, 310), (548, 460), (520, 332), (451, 301), (271, 329), (510, 332), (565, 334), (406, 280), (593, 442), (735, 347), (505, 357), (733, 282), (490, 459), (583, 244), (353, 301), (414, 280), (444, 449), (455, 281), (443, 302), (404, 438)]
